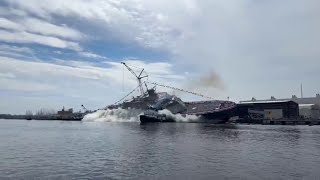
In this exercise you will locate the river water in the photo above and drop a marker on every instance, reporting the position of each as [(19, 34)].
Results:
[(128, 150)]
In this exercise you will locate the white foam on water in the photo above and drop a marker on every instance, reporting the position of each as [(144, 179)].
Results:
[(132, 115), (113, 115), (179, 117)]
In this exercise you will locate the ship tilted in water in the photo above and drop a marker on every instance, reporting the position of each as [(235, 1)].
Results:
[(153, 105)]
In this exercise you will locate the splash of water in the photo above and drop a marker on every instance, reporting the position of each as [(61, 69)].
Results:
[(132, 115), (114, 115), (179, 117)]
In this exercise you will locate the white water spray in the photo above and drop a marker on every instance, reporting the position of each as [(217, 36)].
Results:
[(179, 117), (132, 115), (113, 115)]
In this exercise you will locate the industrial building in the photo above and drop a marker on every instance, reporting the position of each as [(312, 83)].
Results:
[(309, 107), (309, 111), (271, 110), (300, 100)]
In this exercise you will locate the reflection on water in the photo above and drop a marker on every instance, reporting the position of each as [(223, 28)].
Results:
[(55, 150)]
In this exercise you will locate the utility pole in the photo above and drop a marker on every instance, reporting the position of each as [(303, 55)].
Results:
[(301, 90)]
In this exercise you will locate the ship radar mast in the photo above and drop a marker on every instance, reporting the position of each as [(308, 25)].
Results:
[(139, 77)]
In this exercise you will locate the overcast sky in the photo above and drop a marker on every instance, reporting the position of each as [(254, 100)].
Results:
[(56, 53)]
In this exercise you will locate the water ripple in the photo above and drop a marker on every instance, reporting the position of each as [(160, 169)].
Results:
[(100, 150)]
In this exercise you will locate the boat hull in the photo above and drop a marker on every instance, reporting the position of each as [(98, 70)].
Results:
[(155, 119), (220, 117)]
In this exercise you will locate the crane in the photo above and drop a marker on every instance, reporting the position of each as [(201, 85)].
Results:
[(139, 77), (84, 108)]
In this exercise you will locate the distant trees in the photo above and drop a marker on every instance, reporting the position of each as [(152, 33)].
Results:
[(41, 112), (45, 111), (29, 113)]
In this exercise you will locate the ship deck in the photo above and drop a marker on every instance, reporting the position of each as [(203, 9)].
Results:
[(203, 107)]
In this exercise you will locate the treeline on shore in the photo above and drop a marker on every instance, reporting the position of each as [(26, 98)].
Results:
[(42, 112)]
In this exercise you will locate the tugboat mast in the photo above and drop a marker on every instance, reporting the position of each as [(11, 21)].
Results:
[(139, 77)]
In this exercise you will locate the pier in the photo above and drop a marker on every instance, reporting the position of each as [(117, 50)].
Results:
[(291, 122)]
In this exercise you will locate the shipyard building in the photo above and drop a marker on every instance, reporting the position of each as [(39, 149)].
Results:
[(285, 108), (268, 110)]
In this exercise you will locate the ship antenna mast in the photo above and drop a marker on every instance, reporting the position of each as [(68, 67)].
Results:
[(139, 77), (84, 108)]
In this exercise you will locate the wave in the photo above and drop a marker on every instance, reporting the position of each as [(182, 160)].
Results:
[(180, 117), (114, 115), (132, 115)]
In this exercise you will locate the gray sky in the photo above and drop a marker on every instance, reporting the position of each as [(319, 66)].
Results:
[(56, 53)]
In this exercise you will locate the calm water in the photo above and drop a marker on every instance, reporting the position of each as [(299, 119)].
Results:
[(104, 150)]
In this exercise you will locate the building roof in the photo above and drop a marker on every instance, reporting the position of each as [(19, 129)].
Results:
[(264, 101), (299, 100), (305, 105)]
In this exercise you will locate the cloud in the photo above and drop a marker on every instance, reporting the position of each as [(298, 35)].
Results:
[(7, 75), (76, 81), (38, 26), (15, 49), (24, 37), (127, 21), (32, 30), (91, 55), (33, 24), (258, 48), (156, 71), (7, 24), (21, 85), (209, 31), (38, 69)]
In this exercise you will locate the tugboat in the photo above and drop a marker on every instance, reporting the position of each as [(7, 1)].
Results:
[(151, 103), (153, 116)]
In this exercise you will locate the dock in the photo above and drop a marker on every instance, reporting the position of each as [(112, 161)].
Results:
[(291, 122)]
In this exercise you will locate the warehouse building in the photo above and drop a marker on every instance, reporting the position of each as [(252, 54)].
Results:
[(272, 109), (300, 100), (309, 111)]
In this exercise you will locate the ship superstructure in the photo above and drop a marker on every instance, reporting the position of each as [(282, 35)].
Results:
[(151, 102)]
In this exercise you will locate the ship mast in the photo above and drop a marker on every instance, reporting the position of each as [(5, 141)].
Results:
[(139, 77), (84, 108)]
